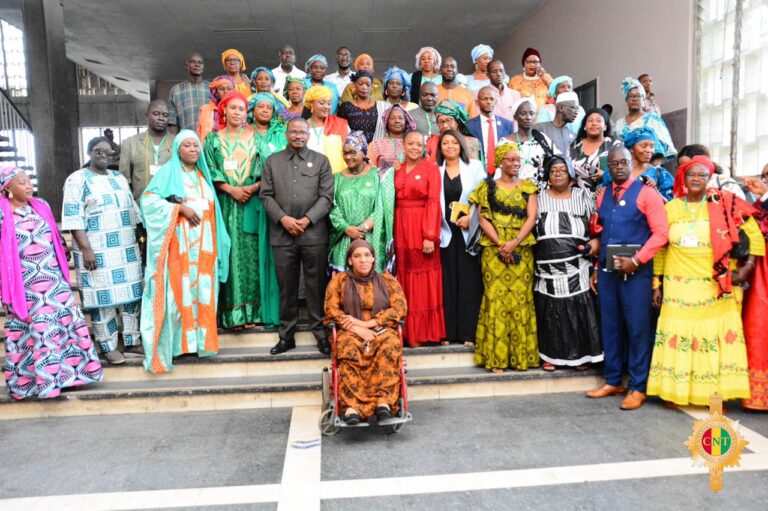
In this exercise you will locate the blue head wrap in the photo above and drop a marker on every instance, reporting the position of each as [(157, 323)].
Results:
[(396, 72), (557, 81), (638, 135), (259, 70), (313, 58), (481, 49), (629, 83), (254, 99)]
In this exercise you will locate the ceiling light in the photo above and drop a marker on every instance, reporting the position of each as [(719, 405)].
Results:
[(246, 30), (381, 30)]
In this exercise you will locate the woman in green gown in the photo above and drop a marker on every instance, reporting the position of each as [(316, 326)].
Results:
[(506, 328), (232, 157), (361, 207)]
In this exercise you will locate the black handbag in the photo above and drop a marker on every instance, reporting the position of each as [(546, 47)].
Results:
[(741, 249)]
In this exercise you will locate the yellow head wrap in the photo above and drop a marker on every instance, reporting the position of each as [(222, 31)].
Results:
[(229, 53), (317, 92), (502, 150)]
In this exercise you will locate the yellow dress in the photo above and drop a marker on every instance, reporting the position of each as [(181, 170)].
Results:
[(699, 347)]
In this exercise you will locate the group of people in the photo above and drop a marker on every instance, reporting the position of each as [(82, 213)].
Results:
[(483, 210)]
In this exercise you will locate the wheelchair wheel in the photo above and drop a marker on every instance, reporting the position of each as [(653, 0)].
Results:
[(326, 423), (326, 389)]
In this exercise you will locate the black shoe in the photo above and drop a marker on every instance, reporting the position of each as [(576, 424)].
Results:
[(282, 346), (352, 419), (383, 413), (323, 346)]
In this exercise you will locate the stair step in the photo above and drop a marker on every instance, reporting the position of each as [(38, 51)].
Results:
[(286, 390), (12, 158), (7, 149)]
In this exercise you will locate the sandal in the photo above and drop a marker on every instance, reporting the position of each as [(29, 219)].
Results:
[(351, 417), (383, 412), (445, 343), (548, 367), (469, 344), (497, 370)]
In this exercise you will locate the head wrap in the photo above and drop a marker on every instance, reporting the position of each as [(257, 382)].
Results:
[(399, 74), (435, 56), (678, 189), (292, 79), (552, 160), (229, 53), (313, 58), (317, 92), (480, 50), (567, 96), (638, 135), (6, 176), (455, 110), (530, 51), (410, 124), (357, 140), (96, 141), (11, 279), (257, 98), (352, 304), (215, 83), (629, 83), (222, 106), (258, 70), (361, 57), (361, 74), (502, 150), (557, 81), (520, 102)]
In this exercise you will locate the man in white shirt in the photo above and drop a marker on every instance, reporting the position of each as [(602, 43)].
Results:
[(286, 68), (489, 127), (341, 78), (506, 97)]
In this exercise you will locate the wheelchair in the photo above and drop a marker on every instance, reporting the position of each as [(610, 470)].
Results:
[(331, 421)]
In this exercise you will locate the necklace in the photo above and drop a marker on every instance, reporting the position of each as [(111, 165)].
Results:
[(692, 215)]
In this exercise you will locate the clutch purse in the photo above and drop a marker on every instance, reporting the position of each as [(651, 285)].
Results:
[(458, 210), (618, 250)]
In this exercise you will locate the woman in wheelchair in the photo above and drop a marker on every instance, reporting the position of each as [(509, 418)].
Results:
[(366, 307)]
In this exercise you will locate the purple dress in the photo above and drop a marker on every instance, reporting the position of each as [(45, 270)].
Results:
[(54, 350)]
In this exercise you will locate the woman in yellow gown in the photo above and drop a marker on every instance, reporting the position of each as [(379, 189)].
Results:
[(700, 347)]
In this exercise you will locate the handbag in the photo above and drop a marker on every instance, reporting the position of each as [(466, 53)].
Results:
[(741, 249)]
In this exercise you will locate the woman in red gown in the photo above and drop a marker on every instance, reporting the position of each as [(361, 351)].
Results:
[(417, 242)]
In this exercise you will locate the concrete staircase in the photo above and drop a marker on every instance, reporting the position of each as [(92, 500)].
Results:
[(244, 375)]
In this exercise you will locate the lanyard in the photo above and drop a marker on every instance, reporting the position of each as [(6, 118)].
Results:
[(526, 153), (429, 125), (156, 150), (693, 216), (399, 156), (314, 128)]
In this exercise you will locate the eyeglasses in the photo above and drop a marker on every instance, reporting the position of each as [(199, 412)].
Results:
[(512, 159), (634, 96), (533, 62), (294, 133), (102, 152), (618, 163), (445, 122), (350, 153)]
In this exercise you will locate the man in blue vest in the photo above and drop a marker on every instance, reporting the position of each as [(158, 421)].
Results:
[(630, 213)]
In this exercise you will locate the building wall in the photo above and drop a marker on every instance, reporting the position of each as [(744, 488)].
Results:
[(593, 39)]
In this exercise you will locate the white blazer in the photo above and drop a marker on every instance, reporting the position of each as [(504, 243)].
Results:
[(471, 174)]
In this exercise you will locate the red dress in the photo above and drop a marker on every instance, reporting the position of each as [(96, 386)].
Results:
[(417, 217), (756, 323)]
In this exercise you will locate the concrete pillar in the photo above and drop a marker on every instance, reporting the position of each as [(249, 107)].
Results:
[(52, 87)]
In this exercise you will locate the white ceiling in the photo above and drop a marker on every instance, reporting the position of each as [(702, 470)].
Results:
[(144, 40)]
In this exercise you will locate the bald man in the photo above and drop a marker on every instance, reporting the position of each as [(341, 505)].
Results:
[(143, 154)]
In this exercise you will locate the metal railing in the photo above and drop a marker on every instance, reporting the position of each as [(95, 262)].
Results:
[(17, 143)]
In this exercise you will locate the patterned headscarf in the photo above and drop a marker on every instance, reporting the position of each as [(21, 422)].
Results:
[(629, 83), (361, 57), (399, 74), (480, 50), (357, 140), (215, 83), (317, 92), (554, 159), (236, 53), (435, 56), (410, 124), (257, 98), (455, 110), (292, 79), (258, 70), (502, 150), (6, 176), (313, 58), (223, 105), (638, 135), (557, 81)]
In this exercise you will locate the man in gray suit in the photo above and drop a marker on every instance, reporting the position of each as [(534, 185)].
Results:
[(297, 193)]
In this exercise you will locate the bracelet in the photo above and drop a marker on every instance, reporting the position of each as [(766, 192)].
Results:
[(656, 283), (635, 261), (518, 240), (749, 262)]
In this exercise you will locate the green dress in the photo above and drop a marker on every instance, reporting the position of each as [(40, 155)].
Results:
[(506, 328), (240, 295), (355, 200)]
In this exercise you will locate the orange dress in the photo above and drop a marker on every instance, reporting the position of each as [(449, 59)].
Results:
[(537, 88), (369, 373), (418, 217)]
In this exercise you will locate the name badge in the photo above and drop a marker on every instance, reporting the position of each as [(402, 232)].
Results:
[(689, 241), (230, 164), (153, 170)]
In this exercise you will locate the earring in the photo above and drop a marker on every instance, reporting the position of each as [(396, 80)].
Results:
[(10, 194)]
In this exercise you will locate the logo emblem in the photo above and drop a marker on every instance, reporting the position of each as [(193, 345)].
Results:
[(716, 443)]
